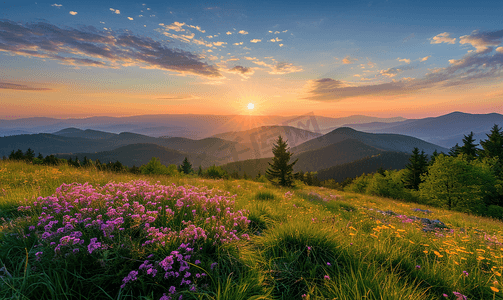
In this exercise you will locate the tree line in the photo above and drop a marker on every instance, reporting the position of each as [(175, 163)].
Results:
[(467, 178)]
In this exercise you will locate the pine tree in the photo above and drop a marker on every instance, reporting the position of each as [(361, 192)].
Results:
[(418, 165), (186, 166), (455, 151), (29, 155), (493, 146), (200, 171), (469, 147), (40, 156), (280, 172), (245, 176), (433, 157), (258, 175)]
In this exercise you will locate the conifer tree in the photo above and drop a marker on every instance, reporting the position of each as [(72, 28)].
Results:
[(186, 166), (280, 172), (29, 155), (418, 165), (258, 176), (469, 147), (455, 151), (40, 156), (200, 171), (493, 146)]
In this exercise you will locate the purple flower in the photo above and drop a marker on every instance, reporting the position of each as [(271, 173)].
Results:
[(418, 267), (213, 265), (172, 290), (445, 295), (465, 273), (460, 296), (326, 277), (164, 297)]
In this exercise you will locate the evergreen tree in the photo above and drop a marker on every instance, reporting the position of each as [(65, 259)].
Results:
[(186, 166), (469, 147), (40, 156), (98, 165), (86, 162), (455, 151), (300, 175), (433, 157), (308, 179), (258, 175), (418, 165), (493, 146), (245, 176), (200, 171), (29, 155), (280, 172)]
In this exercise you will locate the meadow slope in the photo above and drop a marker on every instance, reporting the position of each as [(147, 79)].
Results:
[(71, 233)]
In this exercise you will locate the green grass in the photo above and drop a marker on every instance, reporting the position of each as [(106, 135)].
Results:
[(305, 243)]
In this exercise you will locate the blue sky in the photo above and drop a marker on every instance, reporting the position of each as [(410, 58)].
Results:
[(333, 58)]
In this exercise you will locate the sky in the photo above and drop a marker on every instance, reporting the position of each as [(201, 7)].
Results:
[(384, 58)]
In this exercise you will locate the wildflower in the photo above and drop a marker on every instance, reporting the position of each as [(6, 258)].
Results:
[(172, 290), (494, 289), (164, 297), (418, 267), (326, 277), (329, 264), (445, 295), (460, 296), (465, 273)]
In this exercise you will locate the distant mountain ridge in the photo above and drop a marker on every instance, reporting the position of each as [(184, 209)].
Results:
[(446, 130), (386, 142)]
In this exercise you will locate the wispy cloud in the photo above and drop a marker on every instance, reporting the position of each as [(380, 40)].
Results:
[(130, 19), (443, 38), (243, 32), (244, 72), (425, 58), (275, 40), (483, 41), (348, 60), (90, 47), (238, 44), (228, 33), (115, 11), (475, 66), (285, 68), (405, 60), (20, 87), (57, 5), (255, 41)]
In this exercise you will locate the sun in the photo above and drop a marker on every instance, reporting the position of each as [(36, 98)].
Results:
[(251, 106)]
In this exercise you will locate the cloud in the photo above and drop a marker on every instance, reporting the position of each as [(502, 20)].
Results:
[(243, 32), (281, 45), (237, 44), (219, 43), (482, 41), (284, 31), (275, 40), (348, 60), (244, 72), (391, 72), (425, 58), (255, 41), (285, 68), (73, 13), (90, 47), (57, 5), (176, 26), (442, 38), (499, 49), (130, 19), (197, 28), (115, 11), (20, 87), (228, 33), (472, 68), (405, 60), (184, 98)]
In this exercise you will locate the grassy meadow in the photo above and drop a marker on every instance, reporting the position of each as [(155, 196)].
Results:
[(70, 233)]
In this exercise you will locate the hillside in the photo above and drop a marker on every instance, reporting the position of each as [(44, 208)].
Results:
[(387, 142), (367, 165), (332, 155), (140, 154), (445, 130), (268, 243)]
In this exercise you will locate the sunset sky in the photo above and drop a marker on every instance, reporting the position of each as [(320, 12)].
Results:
[(382, 58)]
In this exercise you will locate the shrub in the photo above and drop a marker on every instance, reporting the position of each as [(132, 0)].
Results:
[(495, 211), (215, 172), (266, 195)]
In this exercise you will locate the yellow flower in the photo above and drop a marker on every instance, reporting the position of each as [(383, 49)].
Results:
[(438, 254), (494, 289)]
